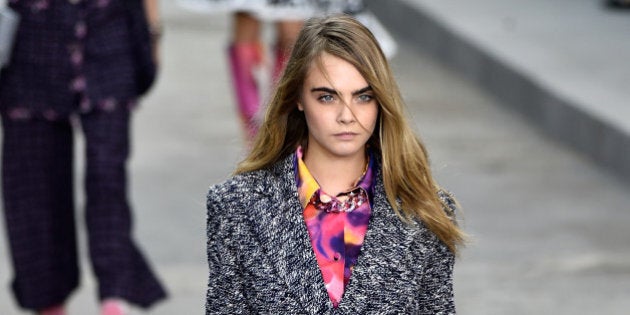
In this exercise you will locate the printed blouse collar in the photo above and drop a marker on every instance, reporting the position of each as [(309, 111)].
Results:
[(308, 186)]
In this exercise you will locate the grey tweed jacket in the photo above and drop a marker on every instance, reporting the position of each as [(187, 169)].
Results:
[(261, 259)]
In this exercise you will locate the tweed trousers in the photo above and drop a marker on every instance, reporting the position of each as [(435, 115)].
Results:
[(37, 165)]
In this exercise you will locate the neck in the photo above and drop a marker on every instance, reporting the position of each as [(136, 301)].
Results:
[(335, 174)]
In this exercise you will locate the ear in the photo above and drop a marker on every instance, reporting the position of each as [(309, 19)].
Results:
[(300, 107)]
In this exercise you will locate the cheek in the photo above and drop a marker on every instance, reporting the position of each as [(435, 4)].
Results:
[(370, 117), (314, 118)]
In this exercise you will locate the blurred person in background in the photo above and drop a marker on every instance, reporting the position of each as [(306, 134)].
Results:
[(74, 64), (246, 54), (335, 209), (252, 69)]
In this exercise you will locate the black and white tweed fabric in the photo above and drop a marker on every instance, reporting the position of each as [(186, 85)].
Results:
[(261, 260)]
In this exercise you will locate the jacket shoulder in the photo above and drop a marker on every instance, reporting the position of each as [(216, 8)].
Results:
[(449, 203), (237, 190)]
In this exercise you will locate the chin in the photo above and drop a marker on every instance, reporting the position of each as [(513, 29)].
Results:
[(348, 151)]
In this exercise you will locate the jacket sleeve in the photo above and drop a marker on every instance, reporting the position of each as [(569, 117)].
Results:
[(225, 285), (437, 282)]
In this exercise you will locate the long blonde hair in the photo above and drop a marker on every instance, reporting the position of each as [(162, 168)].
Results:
[(409, 185)]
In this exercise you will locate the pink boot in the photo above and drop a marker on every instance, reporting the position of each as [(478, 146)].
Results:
[(113, 307), (55, 310), (244, 57)]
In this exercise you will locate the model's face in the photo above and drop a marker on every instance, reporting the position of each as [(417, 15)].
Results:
[(339, 107)]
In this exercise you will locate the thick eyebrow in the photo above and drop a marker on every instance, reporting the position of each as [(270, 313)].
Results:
[(331, 91), (363, 90), (324, 89)]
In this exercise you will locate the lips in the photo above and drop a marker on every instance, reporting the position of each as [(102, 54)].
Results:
[(346, 135)]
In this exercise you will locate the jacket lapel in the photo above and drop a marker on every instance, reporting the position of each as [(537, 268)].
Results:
[(285, 239), (385, 268)]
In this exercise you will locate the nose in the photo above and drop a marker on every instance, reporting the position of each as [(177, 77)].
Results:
[(345, 116)]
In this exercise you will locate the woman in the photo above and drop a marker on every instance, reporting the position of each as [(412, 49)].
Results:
[(72, 66), (335, 209)]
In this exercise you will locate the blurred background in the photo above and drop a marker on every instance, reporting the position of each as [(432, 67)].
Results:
[(524, 106)]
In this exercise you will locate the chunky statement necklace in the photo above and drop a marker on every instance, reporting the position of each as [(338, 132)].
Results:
[(344, 202)]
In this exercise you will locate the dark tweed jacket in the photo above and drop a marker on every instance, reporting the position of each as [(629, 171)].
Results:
[(39, 77), (261, 259)]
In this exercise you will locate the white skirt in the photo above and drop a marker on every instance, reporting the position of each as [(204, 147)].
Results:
[(269, 10), (287, 10)]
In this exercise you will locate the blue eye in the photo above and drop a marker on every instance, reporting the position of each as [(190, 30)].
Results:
[(365, 98), (327, 98)]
